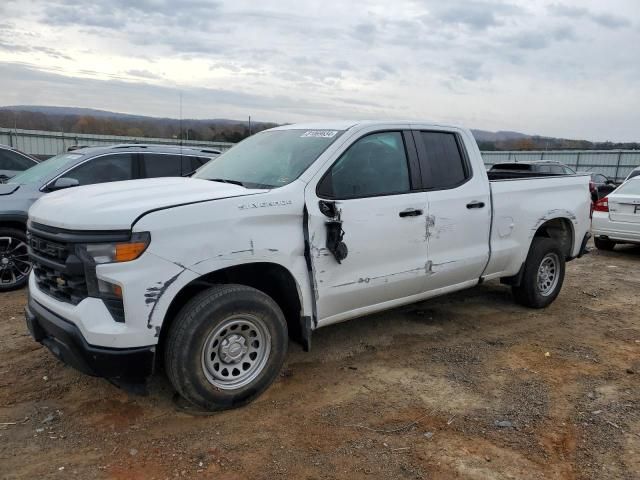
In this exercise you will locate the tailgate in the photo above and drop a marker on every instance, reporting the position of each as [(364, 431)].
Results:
[(624, 208)]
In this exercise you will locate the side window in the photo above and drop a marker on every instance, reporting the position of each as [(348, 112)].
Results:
[(544, 169), (194, 163), (557, 170), (441, 161), (110, 168), (12, 161), (157, 165), (200, 161), (568, 171), (374, 165)]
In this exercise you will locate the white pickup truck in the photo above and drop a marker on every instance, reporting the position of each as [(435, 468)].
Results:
[(291, 230)]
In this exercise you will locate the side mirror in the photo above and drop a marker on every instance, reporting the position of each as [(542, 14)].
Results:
[(63, 182)]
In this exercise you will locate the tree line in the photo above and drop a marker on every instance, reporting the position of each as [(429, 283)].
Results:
[(235, 131), (207, 130)]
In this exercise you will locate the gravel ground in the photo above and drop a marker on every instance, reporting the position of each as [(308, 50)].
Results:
[(467, 386)]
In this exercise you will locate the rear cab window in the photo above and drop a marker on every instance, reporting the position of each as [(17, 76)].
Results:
[(443, 160)]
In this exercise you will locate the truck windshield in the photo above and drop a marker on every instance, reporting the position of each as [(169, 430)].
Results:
[(269, 159), (43, 170)]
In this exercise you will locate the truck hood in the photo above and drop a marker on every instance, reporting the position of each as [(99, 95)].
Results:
[(116, 205)]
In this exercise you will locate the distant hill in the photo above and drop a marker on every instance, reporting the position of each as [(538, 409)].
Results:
[(500, 136), (78, 111), (89, 120)]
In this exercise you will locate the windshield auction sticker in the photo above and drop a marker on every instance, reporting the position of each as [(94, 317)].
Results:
[(319, 134)]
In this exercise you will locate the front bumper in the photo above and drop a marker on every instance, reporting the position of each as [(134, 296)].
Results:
[(66, 342)]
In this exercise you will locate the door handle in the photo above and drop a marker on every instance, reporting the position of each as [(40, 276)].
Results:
[(475, 204), (410, 212)]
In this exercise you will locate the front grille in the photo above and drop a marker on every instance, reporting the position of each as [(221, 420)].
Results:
[(57, 270)]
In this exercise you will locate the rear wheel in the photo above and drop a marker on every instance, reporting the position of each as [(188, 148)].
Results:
[(226, 346), (543, 274), (14, 259), (604, 244)]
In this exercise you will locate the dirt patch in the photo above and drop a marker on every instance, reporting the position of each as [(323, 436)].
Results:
[(466, 386)]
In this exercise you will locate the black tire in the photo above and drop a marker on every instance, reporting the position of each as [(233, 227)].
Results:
[(190, 355), (13, 259), (530, 293), (604, 244)]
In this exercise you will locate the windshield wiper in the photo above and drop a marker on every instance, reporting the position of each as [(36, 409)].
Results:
[(226, 180)]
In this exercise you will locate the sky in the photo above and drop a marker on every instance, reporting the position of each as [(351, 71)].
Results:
[(558, 68)]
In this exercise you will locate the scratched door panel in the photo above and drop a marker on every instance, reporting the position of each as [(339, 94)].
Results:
[(387, 253), (459, 209)]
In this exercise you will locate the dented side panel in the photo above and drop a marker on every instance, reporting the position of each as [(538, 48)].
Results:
[(204, 238), (521, 207)]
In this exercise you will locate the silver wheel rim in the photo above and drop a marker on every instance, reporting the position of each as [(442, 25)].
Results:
[(236, 352), (548, 274), (14, 260)]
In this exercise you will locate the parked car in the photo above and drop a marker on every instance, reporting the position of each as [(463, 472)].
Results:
[(634, 173), (293, 229), (600, 186), (616, 218), (538, 167), (13, 161), (81, 167)]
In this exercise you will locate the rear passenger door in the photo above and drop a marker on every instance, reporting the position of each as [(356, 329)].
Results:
[(459, 209), (153, 165)]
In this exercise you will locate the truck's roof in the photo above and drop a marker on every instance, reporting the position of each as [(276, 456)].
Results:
[(347, 124)]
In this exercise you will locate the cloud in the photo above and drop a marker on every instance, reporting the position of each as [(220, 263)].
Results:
[(142, 74), (475, 14), (365, 32), (498, 63), (137, 97), (16, 48), (606, 20)]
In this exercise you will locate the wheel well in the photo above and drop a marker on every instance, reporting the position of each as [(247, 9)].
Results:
[(270, 278), (560, 230)]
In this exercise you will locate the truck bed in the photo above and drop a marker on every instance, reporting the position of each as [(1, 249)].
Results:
[(521, 205)]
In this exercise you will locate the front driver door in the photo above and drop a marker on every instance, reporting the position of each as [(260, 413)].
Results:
[(369, 188)]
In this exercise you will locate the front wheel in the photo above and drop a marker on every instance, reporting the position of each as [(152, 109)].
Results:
[(226, 346), (543, 274), (14, 259)]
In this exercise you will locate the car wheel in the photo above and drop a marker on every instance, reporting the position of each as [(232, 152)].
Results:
[(14, 259), (543, 274), (604, 244), (226, 346)]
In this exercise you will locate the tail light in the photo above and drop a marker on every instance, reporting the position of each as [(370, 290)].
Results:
[(601, 205)]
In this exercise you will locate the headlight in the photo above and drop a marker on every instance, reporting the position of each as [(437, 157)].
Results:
[(94, 254), (98, 253)]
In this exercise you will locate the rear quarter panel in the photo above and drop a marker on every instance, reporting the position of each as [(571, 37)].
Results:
[(520, 207)]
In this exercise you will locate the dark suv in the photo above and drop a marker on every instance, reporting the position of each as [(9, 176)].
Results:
[(84, 166), (13, 161), (534, 168)]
